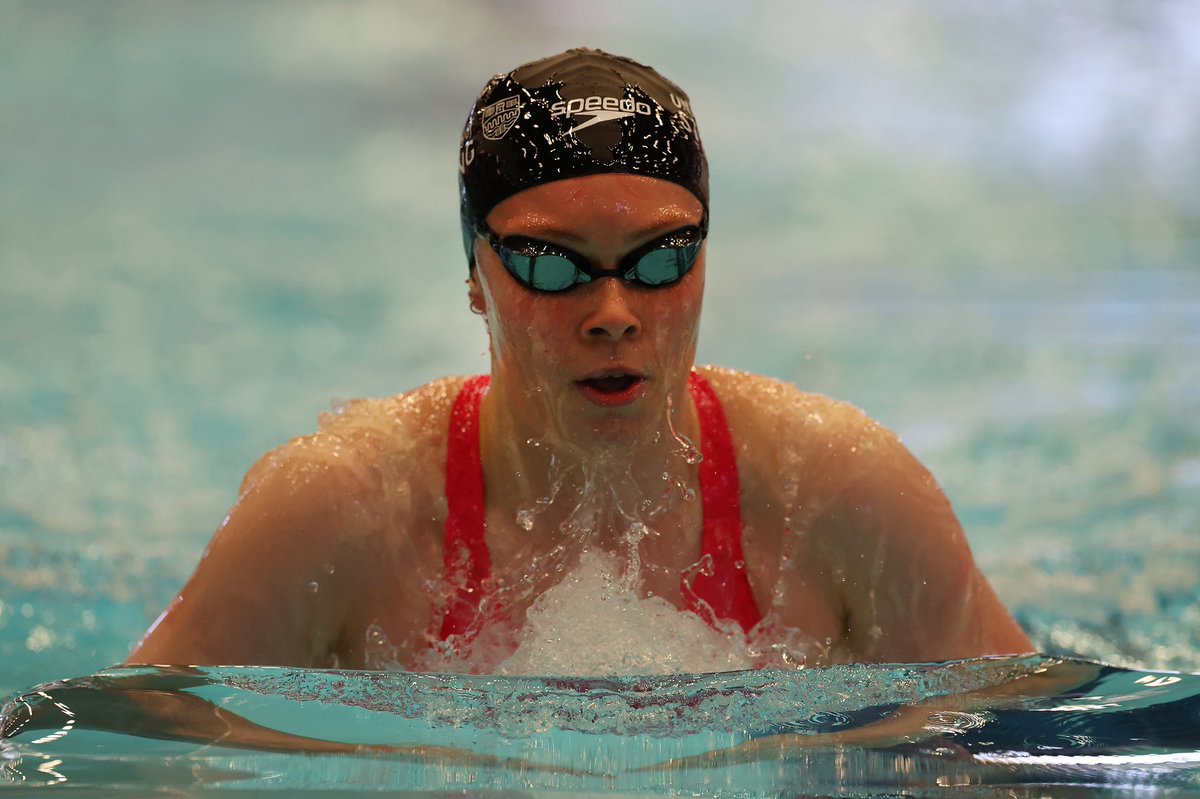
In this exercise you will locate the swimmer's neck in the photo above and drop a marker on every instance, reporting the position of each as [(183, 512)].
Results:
[(536, 463)]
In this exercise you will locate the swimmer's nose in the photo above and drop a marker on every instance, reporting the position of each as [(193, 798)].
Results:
[(611, 317)]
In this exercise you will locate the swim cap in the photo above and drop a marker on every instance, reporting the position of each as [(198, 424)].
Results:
[(582, 112)]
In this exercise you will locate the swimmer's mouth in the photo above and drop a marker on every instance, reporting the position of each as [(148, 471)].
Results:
[(612, 388), (611, 384)]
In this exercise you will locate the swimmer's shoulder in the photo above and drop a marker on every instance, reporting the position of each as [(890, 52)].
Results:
[(768, 415), (796, 448), (368, 449)]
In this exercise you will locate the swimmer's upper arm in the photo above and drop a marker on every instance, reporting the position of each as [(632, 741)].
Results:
[(252, 600), (912, 591)]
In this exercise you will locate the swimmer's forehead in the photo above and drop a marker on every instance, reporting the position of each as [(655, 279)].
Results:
[(571, 210), (533, 226)]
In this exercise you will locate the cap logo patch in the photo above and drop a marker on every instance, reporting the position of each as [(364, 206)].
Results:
[(500, 116), (599, 109)]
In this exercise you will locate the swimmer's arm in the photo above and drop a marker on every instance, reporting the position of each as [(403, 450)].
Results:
[(913, 591), (251, 601)]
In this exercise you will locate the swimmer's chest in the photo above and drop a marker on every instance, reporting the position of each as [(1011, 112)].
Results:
[(788, 579)]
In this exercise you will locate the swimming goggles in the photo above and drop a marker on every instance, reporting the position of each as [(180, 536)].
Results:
[(542, 266)]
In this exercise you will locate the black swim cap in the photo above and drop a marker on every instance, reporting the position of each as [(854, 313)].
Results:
[(583, 112)]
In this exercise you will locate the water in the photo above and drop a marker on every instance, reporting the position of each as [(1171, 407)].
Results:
[(979, 224), (744, 733)]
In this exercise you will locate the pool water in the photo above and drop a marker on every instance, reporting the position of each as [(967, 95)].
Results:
[(841, 731), (980, 225)]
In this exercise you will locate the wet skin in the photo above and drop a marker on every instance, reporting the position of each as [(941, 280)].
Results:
[(550, 352), (333, 552)]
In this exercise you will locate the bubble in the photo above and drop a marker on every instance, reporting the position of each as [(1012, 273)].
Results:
[(314, 587), (381, 653), (625, 634), (684, 490), (39, 638), (525, 519)]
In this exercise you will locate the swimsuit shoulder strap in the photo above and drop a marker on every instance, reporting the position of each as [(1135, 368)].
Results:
[(720, 588), (466, 561)]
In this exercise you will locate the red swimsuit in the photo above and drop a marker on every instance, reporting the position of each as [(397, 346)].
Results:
[(722, 591)]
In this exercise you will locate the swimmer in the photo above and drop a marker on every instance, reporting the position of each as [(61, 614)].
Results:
[(409, 531)]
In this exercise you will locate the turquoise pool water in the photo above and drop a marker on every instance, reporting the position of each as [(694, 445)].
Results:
[(979, 225), (900, 730)]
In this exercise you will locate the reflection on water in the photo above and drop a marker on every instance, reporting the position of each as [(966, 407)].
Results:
[(1000, 725)]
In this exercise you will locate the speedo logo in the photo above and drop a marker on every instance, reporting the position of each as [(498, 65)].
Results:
[(600, 109)]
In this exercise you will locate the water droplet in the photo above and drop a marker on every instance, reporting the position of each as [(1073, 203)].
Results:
[(314, 587), (687, 449), (329, 568), (739, 564)]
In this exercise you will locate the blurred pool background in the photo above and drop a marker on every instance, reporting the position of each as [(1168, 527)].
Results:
[(978, 221)]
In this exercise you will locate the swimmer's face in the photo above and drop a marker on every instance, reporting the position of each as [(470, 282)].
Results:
[(599, 361)]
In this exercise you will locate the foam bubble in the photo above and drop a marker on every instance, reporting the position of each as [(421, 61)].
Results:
[(594, 623)]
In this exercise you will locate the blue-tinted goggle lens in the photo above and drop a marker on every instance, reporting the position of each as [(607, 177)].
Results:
[(542, 266)]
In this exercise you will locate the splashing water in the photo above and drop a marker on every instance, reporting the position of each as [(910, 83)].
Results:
[(1013, 727), (597, 621), (593, 622), (689, 451), (526, 517)]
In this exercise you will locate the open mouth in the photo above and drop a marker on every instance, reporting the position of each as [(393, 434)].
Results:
[(613, 384), (618, 388)]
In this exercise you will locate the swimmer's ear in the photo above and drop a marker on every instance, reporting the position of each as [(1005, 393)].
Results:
[(475, 294)]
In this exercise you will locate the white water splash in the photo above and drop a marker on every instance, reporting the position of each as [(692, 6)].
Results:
[(591, 623)]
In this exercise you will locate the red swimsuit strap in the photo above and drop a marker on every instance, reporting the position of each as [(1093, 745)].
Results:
[(722, 585), (465, 557), (718, 591)]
